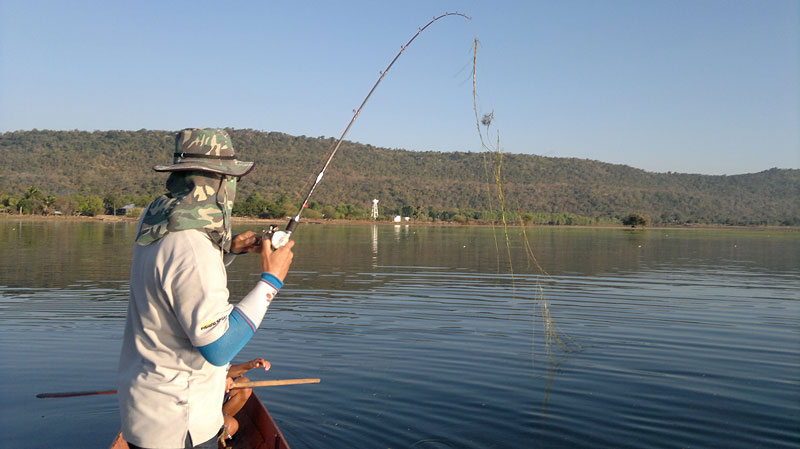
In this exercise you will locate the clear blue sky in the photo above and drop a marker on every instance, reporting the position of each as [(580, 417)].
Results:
[(697, 86)]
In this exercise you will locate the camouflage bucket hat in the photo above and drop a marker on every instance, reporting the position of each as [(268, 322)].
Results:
[(205, 149)]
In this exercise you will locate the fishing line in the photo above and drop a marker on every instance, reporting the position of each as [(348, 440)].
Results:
[(493, 155), (279, 238)]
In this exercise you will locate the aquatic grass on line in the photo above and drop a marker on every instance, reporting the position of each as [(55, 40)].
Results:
[(495, 186)]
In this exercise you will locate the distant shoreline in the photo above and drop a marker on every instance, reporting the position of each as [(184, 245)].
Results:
[(428, 185), (267, 222)]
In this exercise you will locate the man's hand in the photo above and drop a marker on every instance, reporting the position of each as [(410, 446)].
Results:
[(276, 262), (258, 363), (238, 370), (246, 242)]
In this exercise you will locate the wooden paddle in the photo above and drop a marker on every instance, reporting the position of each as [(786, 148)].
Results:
[(75, 394), (257, 383), (274, 383)]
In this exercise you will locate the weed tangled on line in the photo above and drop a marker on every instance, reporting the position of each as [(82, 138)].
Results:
[(494, 154)]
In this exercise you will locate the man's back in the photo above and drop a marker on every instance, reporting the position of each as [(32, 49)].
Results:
[(178, 302)]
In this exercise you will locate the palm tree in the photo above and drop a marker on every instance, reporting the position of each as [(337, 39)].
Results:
[(33, 193), (47, 202)]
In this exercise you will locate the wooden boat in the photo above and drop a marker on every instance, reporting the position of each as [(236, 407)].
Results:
[(257, 429)]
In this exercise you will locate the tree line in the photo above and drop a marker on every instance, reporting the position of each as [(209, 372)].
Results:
[(36, 202), (86, 172)]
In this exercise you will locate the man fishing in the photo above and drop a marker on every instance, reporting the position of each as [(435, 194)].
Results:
[(181, 331)]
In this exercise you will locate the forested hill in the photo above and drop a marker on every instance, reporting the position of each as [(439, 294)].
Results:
[(118, 163)]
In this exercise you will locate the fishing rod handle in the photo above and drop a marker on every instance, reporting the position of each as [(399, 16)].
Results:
[(292, 225)]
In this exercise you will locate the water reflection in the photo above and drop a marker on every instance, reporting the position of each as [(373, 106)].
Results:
[(421, 342), (374, 246)]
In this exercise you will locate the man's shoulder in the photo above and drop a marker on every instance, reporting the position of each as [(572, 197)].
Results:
[(190, 243), (189, 236), (186, 252)]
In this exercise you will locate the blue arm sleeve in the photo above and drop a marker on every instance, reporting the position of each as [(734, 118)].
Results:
[(225, 348), (272, 280)]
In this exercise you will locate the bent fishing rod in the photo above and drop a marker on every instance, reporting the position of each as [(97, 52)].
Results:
[(279, 238)]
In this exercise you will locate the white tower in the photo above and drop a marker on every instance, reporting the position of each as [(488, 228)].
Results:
[(374, 209)]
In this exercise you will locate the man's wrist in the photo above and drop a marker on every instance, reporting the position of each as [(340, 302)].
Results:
[(272, 281)]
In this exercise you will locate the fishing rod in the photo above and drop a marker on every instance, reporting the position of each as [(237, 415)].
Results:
[(279, 238)]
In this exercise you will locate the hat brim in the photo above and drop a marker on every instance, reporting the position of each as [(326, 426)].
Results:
[(232, 168)]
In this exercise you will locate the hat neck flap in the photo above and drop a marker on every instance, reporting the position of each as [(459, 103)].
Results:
[(196, 200)]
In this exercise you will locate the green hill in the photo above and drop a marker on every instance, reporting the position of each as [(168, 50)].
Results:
[(117, 164)]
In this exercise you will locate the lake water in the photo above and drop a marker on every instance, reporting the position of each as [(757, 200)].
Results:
[(424, 338)]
